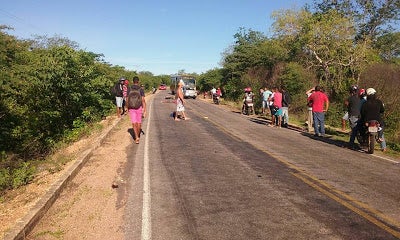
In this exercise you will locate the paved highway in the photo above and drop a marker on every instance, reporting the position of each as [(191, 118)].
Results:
[(222, 175)]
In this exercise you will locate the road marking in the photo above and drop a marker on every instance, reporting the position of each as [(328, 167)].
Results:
[(146, 213), (360, 212), (382, 221), (371, 214), (387, 159)]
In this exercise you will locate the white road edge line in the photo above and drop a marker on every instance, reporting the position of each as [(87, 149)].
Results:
[(146, 213), (387, 159)]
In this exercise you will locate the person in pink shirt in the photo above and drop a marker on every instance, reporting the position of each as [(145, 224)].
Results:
[(276, 98), (320, 105)]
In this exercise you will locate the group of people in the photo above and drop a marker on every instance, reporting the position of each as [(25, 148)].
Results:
[(277, 102), (364, 106), (131, 100)]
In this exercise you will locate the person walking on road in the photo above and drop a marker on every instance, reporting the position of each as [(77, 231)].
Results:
[(180, 103), (320, 105), (136, 107)]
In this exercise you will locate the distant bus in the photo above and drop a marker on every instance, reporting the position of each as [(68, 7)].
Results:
[(189, 86)]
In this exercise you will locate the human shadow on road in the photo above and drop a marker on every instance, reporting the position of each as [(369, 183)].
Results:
[(132, 133), (327, 139)]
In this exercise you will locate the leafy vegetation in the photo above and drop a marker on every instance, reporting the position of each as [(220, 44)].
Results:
[(50, 90), (334, 44)]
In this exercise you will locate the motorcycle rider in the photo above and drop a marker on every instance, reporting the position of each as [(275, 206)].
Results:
[(248, 98), (373, 109), (217, 95)]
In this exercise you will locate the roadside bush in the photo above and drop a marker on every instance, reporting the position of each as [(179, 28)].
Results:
[(23, 175), (5, 179)]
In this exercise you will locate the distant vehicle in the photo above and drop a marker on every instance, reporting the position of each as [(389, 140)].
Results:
[(189, 86), (162, 87)]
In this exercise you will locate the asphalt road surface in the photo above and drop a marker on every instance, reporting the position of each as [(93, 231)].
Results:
[(222, 175)]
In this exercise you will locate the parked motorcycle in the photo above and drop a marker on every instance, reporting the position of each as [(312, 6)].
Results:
[(368, 135)]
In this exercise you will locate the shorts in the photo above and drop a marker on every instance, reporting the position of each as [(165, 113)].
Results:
[(119, 101), (278, 112), (179, 106), (135, 115), (265, 104)]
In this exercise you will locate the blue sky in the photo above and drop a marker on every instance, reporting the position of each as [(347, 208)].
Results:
[(162, 37)]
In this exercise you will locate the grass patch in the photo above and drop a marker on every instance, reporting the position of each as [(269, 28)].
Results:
[(56, 234)]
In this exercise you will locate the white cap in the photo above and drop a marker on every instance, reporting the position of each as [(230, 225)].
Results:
[(371, 91)]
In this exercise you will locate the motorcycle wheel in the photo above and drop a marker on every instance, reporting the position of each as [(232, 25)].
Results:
[(371, 144)]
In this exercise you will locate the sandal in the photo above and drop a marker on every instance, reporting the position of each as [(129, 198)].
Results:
[(137, 141)]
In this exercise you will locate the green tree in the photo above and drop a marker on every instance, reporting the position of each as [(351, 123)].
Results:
[(372, 18), (211, 78), (388, 46), (327, 45)]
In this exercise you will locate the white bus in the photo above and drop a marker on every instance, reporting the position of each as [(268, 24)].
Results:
[(189, 86)]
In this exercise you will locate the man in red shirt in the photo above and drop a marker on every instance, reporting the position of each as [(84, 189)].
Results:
[(319, 100)]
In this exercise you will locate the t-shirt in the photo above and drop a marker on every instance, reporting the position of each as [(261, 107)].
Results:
[(278, 99), (354, 105), (266, 95), (318, 99)]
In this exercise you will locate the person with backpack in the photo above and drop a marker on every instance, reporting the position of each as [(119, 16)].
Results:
[(117, 90), (136, 107)]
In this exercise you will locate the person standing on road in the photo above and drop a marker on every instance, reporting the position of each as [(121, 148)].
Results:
[(310, 121), (353, 108), (125, 96), (320, 105), (136, 113), (265, 102), (180, 103), (286, 100), (277, 107), (119, 96)]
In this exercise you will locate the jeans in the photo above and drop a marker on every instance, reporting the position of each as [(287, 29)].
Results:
[(285, 115), (355, 127), (319, 123)]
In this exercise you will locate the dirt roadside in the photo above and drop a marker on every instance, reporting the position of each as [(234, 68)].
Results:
[(88, 203), (90, 207)]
